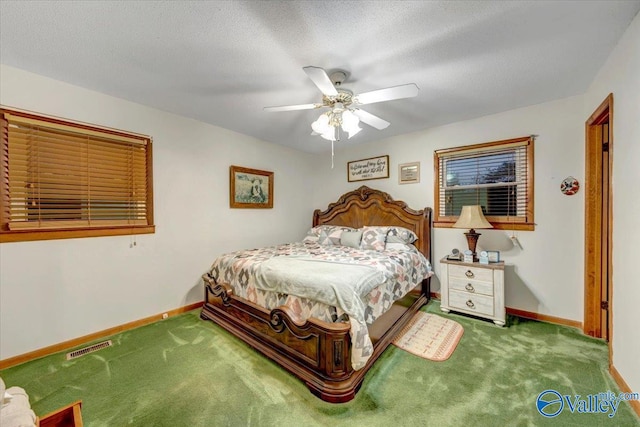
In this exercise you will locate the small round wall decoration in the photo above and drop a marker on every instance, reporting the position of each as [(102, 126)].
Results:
[(569, 186)]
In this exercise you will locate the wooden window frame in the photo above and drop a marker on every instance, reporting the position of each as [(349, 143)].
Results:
[(501, 223), (69, 231)]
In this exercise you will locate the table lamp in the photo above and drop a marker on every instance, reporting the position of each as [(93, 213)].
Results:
[(471, 217)]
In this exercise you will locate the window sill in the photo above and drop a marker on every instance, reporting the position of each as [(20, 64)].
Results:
[(31, 235), (518, 226)]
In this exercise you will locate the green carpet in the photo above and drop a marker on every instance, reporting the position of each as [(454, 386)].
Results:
[(184, 371)]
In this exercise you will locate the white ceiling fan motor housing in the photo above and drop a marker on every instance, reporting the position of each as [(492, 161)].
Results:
[(338, 77)]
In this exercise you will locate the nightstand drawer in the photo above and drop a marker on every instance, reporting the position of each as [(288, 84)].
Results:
[(471, 286), (471, 303), (476, 273)]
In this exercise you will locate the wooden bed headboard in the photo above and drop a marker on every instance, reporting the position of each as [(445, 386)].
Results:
[(366, 206)]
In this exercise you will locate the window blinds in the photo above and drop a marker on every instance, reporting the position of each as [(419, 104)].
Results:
[(497, 176), (66, 176)]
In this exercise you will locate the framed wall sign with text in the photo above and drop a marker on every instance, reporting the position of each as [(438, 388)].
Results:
[(409, 173), (373, 168)]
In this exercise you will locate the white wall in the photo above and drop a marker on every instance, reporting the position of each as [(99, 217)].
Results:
[(621, 76), (53, 291), (546, 276)]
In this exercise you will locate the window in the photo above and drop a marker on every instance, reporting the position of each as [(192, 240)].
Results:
[(496, 175), (63, 179)]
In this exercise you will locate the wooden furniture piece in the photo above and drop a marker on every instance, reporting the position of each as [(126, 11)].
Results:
[(473, 288), (67, 416), (317, 352)]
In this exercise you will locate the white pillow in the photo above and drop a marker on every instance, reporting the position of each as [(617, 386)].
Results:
[(3, 393), (351, 238), (16, 410)]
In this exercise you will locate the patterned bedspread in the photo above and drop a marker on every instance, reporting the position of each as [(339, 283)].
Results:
[(404, 270)]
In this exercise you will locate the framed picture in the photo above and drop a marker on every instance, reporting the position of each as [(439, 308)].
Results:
[(250, 188), (494, 256), (409, 173), (373, 168)]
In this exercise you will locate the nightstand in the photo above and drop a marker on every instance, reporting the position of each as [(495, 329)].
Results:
[(473, 288)]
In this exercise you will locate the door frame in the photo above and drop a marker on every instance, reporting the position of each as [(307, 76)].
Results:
[(593, 280)]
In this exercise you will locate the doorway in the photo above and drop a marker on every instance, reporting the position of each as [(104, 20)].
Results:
[(598, 222)]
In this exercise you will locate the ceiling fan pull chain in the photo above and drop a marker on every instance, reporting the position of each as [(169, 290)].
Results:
[(332, 154)]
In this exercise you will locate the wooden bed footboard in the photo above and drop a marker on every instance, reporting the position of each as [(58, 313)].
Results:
[(313, 344), (317, 352)]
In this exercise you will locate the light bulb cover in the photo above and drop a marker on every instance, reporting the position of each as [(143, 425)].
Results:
[(329, 134), (349, 120), (321, 125)]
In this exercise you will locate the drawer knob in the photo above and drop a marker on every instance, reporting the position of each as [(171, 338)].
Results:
[(469, 287), (470, 304), (469, 274)]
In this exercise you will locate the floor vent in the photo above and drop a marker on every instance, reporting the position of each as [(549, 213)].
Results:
[(95, 347)]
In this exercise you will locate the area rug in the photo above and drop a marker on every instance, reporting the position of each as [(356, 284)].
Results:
[(430, 336)]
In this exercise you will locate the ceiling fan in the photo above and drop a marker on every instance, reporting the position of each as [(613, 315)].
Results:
[(344, 112)]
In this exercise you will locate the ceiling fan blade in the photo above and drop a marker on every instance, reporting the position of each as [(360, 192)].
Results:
[(292, 107), (320, 78), (388, 94), (371, 120)]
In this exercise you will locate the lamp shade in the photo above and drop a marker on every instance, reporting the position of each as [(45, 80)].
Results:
[(472, 217), (321, 125)]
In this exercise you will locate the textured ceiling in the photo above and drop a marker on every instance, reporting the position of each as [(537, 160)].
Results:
[(221, 62)]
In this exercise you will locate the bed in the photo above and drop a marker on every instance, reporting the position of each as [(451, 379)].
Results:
[(324, 345)]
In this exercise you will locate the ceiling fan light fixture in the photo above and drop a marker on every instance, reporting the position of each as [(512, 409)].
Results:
[(329, 134), (349, 120), (328, 123), (344, 112), (321, 125), (350, 123)]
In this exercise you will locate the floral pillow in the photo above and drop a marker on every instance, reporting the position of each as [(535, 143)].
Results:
[(374, 238), (400, 247), (327, 234), (312, 235), (401, 235)]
